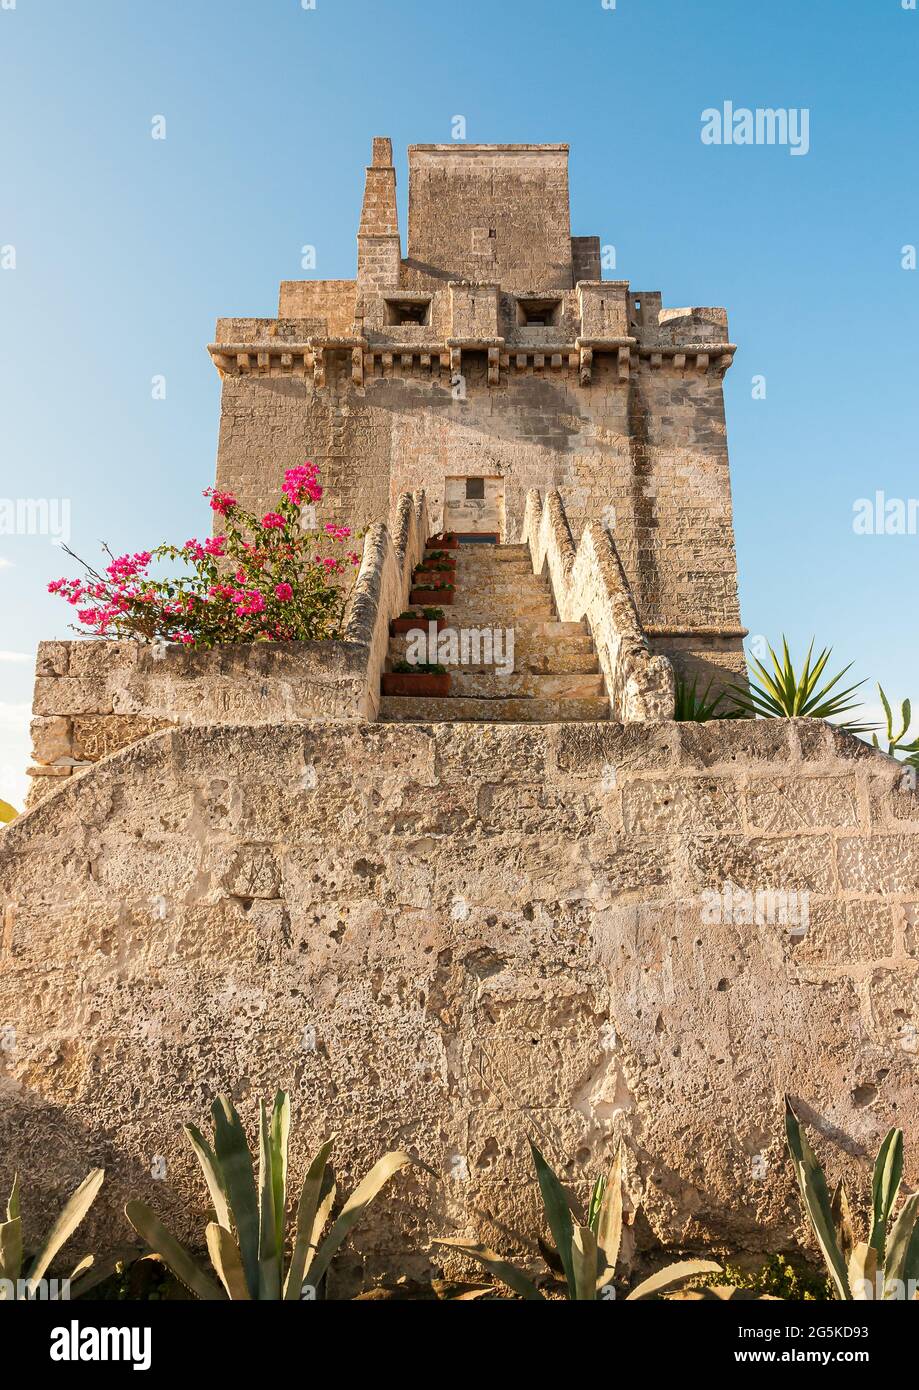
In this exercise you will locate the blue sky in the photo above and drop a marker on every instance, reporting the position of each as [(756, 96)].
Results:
[(127, 249)]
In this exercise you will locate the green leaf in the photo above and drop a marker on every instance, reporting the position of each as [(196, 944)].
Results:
[(901, 1252), (842, 1221), (584, 1264), (235, 1160), (11, 1249), (609, 1222), (149, 1227), (212, 1175), (7, 813), (816, 1200), (863, 1267), (310, 1197), (68, 1221), (558, 1215), (509, 1274), (279, 1137), (269, 1265), (888, 1173), (224, 1253), (672, 1276), (13, 1208), (384, 1168)]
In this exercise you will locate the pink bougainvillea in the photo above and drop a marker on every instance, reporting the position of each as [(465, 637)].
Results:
[(262, 579)]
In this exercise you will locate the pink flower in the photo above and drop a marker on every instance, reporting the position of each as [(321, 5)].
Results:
[(272, 521), (302, 484), (338, 533), (221, 502), (283, 592), (214, 545)]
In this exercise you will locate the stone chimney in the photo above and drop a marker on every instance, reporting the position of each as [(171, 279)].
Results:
[(379, 247)]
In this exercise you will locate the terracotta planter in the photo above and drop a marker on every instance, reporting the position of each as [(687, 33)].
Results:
[(424, 577), (426, 684), (433, 544), (412, 624), (431, 598)]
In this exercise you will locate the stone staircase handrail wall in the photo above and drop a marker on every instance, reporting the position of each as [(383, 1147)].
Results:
[(589, 582)]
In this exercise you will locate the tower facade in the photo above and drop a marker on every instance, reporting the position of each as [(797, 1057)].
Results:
[(492, 358)]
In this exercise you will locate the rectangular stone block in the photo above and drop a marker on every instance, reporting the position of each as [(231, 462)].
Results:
[(675, 806), (879, 864), (793, 803)]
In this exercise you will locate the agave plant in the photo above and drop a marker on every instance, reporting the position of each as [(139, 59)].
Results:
[(786, 693), (693, 707), (587, 1252), (247, 1242), (895, 738), (889, 1259), (14, 1284)]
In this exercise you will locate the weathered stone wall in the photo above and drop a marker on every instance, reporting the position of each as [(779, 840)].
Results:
[(449, 937)]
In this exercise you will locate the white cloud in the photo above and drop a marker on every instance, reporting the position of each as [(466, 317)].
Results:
[(15, 657), (15, 752)]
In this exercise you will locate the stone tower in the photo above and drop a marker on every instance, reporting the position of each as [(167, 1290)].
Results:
[(491, 359)]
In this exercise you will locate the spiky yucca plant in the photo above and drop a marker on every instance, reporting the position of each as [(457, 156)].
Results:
[(889, 1259), (21, 1286), (895, 738), (247, 1241), (588, 1253), (692, 707), (784, 692)]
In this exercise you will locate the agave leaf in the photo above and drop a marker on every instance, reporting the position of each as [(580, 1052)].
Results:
[(212, 1174), (816, 1200), (324, 1210), (148, 1225), (842, 1221), (596, 1199), (11, 1249), (887, 713), (235, 1161), (885, 1184), (13, 1207), (558, 1215), (550, 1255), (509, 1274), (90, 1272), (671, 1276), (384, 1168), (584, 1264), (68, 1221), (224, 1253), (306, 1214), (269, 1265), (609, 1221), (863, 1266), (902, 1249), (279, 1135)]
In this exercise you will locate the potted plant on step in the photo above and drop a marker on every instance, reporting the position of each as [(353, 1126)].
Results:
[(427, 681), (410, 620), (433, 591), (444, 540)]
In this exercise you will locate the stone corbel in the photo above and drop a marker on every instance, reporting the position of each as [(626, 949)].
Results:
[(586, 365), (625, 357), (494, 366), (319, 366)]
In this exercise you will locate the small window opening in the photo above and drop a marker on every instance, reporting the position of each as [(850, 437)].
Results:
[(475, 489), (407, 311), (538, 313)]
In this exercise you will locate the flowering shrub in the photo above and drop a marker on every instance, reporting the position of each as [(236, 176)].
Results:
[(261, 579)]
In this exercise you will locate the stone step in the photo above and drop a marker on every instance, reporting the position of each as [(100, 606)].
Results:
[(488, 684), (475, 610), (544, 656), (399, 709)]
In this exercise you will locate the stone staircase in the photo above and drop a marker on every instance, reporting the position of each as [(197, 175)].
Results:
[(555, 674)]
